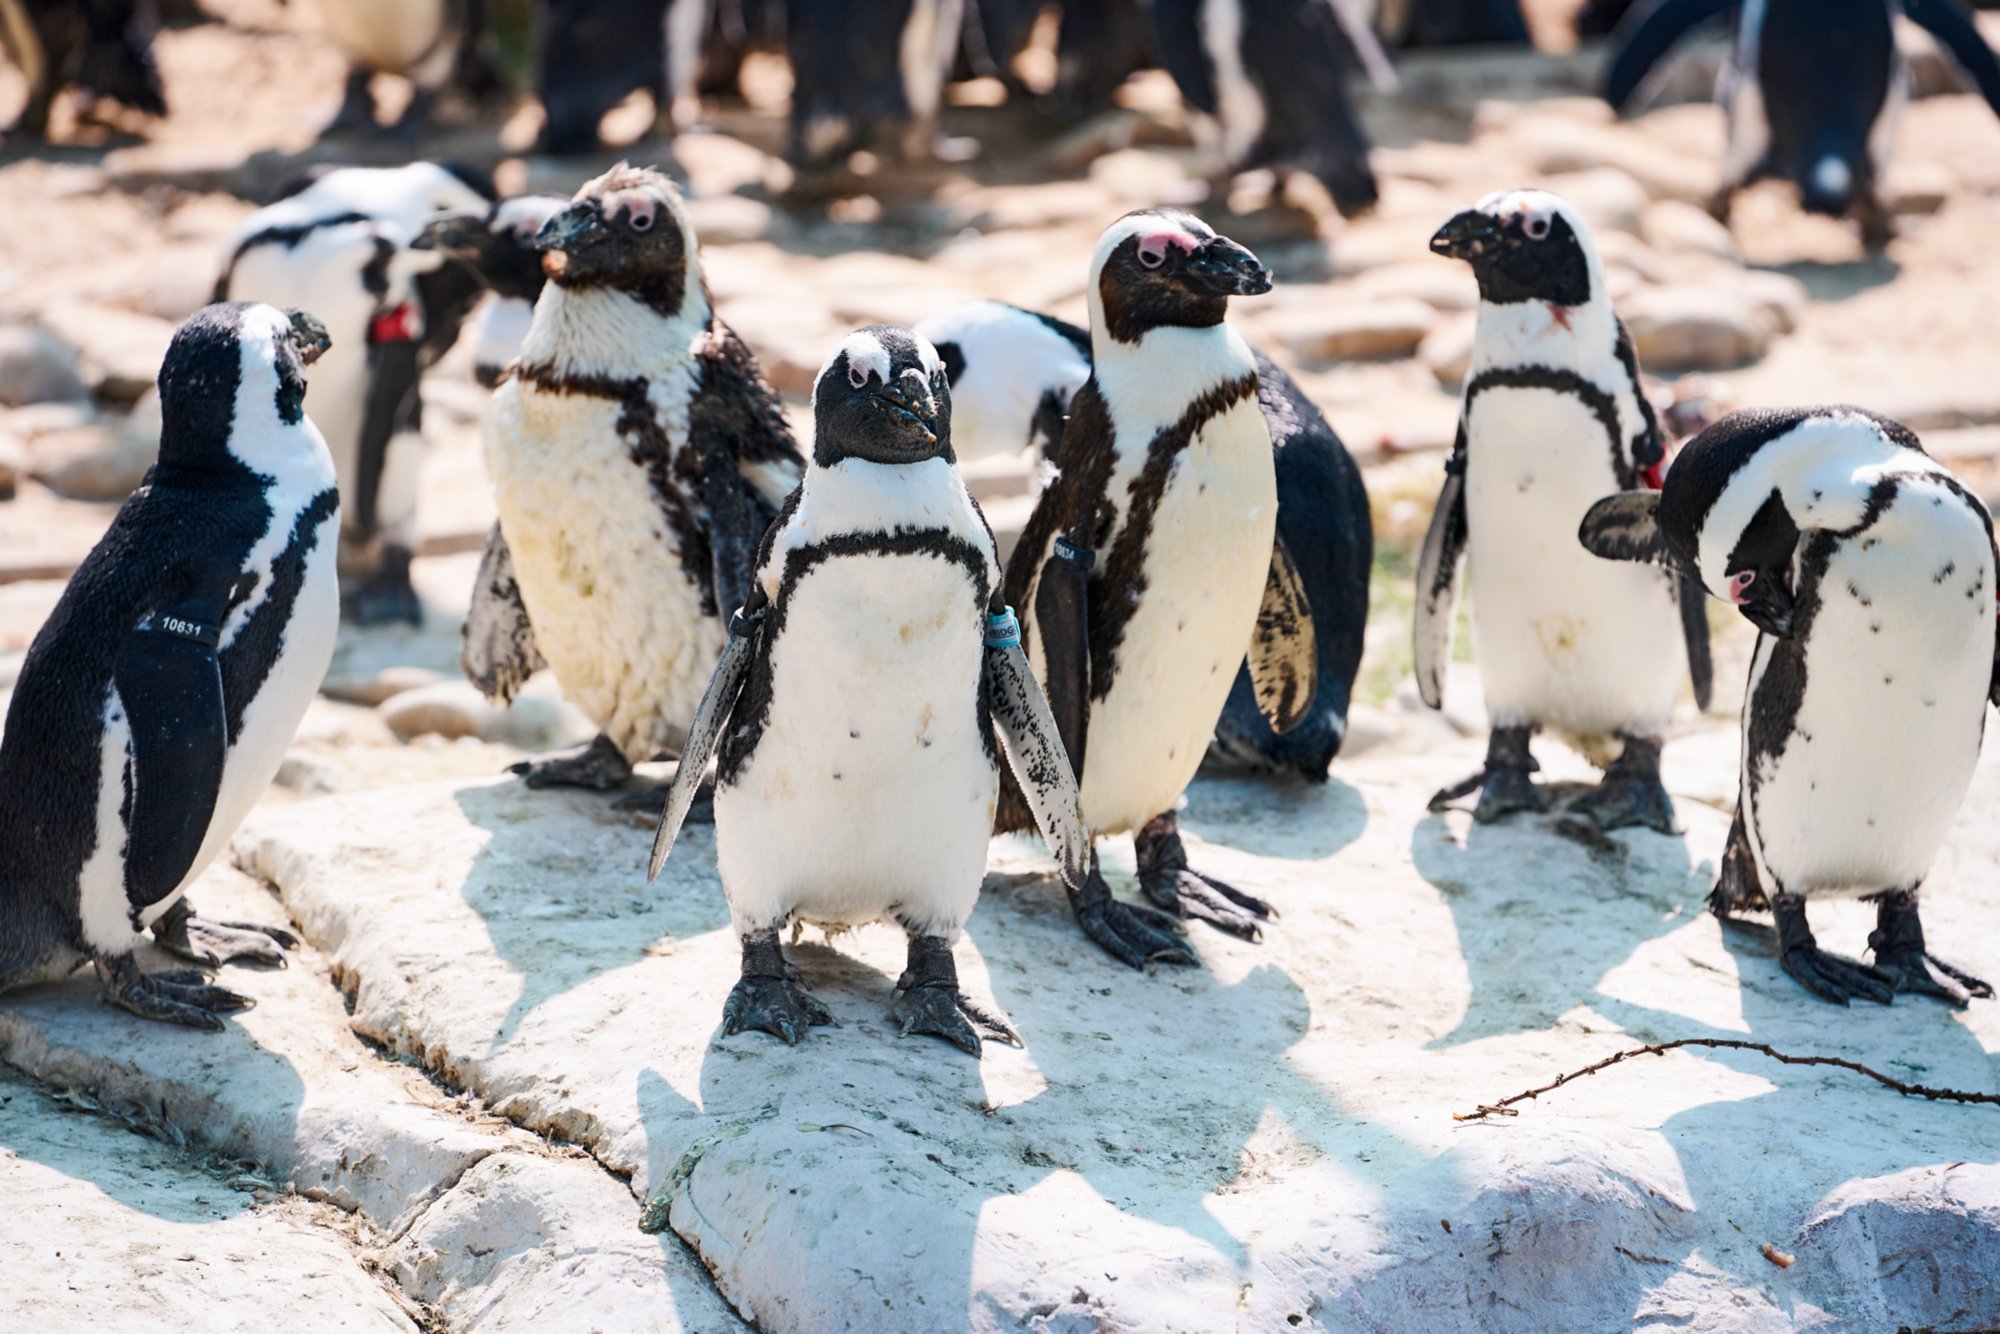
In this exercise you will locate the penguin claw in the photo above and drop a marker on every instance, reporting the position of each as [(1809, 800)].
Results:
[(599, 766), (1186, 893), (1132, 934), (773, 1005), (1833, 978), (1623, 802), (1918, 973), (1502, 792), (948, 1014), (178, 996), (216, 943)]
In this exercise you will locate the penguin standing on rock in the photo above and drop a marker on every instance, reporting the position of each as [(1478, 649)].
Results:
[(155, 705), (1869, 571), (857, 703), (501, 251), (339, 243), (1553, 419), (1813, 90), (1151, 560), (637, 454), (1013, 373)]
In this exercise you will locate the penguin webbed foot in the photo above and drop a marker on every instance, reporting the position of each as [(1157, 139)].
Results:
[(1132, 934), (1630, 794), (386, 597), (1174, 887), (650, 800), (928, 1001), (215, 943), (599, 766), (1898, 945), (184, 996), (768, 997), (1505, 783), (1829, 976)]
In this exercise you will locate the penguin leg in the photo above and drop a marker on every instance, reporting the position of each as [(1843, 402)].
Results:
[(1164, 875), (768, 996), (386, 597), (599, 765), (1132, 934), (416, 117), (1827, 976), (1504, 784), (1631, 792), (928, 1000), (1738, 889), (181, 996), (214, 943), (1898, 945), (1878, 225), (357, 104)]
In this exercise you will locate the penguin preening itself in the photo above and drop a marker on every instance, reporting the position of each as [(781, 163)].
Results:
[(1013, 373), (158, 699), (1553, 419), (1266, 79), (501, 251), (861, 77), (637, 454), (1868, 570), (102, 48), (340, 244), (857, 702), (1813, 89), (1151, 561)]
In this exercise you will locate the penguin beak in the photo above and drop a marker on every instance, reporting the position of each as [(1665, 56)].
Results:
[(577, 227), (1762, 599), (458, 235), (308, 335), (910, 400), (1468, 236), (1224, 268)]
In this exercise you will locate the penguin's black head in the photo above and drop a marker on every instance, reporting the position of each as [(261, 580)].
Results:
[(625, 231), (1163, 267), (233, 373), (1523, 245), (499, 245), (882, 397)]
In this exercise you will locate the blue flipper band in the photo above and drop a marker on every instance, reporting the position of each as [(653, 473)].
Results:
[(1082, 557), (1003, 630)]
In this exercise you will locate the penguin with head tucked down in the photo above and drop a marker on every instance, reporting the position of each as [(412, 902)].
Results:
[(500, 250), (158, 699), (1813, 89), (339, 243), (1868, 570), (102, 48), (858, 700), (1553, 418)]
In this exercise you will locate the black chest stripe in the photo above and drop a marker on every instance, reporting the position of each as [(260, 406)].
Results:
[(248, 660), (1601, 405)]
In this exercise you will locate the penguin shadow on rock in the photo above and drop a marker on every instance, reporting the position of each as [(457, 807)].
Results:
[(561, 887), (1296, 821), (1546, 907)]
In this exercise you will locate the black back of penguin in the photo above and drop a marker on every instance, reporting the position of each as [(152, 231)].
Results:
[(847, 76), (1824, 67), (594, 53), (1462, 22)]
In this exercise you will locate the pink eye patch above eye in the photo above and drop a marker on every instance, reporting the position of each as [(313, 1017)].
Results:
[(1157, 244), (636, 206)]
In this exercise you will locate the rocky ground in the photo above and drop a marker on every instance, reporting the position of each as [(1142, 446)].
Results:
[(489, 1092)]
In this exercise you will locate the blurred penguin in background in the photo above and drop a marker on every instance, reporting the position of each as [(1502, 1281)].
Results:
[(432, 43), (870, 79), (1451, 22), (596, 53), (101, 48)]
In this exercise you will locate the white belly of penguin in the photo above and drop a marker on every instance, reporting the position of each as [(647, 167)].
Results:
[(1206, 564), (600, 571), (1888, 732), (871, 791), (1587, 646)]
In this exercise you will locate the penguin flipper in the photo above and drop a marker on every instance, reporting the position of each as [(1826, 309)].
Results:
[(392, 406), (1062, 621), (1647, 35), (1693, 599), (1625, 526), (733, 532), (732, 668), (1951, 23), (498, 652), (1437, 581), (1284, 651), (1034, 747), (169, 679)]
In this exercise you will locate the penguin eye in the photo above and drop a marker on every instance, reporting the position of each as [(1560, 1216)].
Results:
[(642, 220), (1537, 229), (856, 376), (1151, 258)]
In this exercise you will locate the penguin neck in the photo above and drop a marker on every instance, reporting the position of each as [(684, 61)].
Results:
[(604, 331), (855, 495), (1148, 384), (1543, 333)]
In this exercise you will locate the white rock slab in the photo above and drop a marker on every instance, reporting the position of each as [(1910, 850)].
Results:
[(1265, 1138)]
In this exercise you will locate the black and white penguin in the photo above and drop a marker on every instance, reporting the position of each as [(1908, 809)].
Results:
[(858, 771), (865, 81), (1553, 419), (1152, 559), (500, 250), (1869, 571), (1266, 79), (1099, 45), (340, 244), (434, 44), (1416, 23), (1013, 374), (637, 454), (102, 48), (156, 702), (1813, 89), (592, 54)]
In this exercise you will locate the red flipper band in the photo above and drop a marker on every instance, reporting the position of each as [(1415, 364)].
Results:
[(398, 324)]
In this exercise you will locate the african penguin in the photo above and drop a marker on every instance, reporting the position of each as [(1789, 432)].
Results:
[(1869, 571), (156, 702), (1553, 418), (1453, 22), (863, 79), (1013, 373), (500, 249), (594, 53), (1099, 45), (858, 771), (1265, 78), (431, 43), (102, 48), (1150, 559), (340, 245), (1813, 90), (637, 454)]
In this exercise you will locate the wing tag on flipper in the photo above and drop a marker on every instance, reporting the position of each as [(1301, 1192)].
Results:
[(169, 680), (1284, 651), (1034, 747), (1437, 588), (716, 702)]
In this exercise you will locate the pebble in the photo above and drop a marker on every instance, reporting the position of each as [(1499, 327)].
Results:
[(384, 685), (13, 463), (1447, 349), (1917, 188), (37, 367), (1363, 331), (1609, 199), (729, 219), (449, 709), (1672, 225), (93, 462), (1553, 146), (1696, 328), (1437, 283), (121, 349)]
